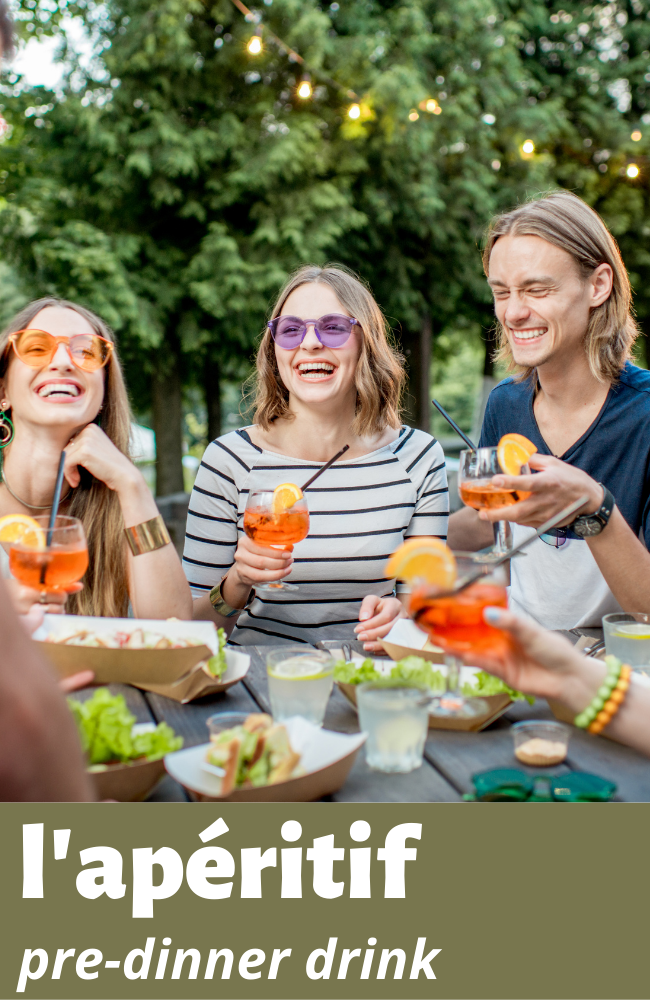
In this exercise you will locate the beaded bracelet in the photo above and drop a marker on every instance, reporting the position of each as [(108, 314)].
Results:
[(608, 700)]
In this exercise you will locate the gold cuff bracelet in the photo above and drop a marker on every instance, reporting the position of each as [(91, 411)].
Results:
[(147, 536)]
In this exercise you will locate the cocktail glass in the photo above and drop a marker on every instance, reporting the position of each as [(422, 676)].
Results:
[(455, 622), (300, 683), (275, 528), (627, 636), (475, 471), (52, 567)]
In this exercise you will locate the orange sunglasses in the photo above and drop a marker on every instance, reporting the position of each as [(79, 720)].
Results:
[(36, 348)]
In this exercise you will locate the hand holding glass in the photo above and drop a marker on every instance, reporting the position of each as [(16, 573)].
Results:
[(275, 528), (55, 566)]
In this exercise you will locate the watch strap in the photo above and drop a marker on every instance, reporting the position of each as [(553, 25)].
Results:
[(602, 515), (222, 607)]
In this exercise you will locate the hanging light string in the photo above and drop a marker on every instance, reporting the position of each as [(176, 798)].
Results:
[(291, 53)]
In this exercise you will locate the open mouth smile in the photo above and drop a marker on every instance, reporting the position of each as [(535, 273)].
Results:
[(59, 390), (315, 371), (529, 334)]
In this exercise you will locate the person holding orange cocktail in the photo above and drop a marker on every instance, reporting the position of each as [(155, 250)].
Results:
[(61, 388), (327, 376)]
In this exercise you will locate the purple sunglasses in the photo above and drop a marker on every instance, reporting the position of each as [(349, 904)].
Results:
[(332, 330)]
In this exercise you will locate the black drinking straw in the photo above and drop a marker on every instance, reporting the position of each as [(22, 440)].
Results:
[(56, 500), (326, 466), (452, 423)]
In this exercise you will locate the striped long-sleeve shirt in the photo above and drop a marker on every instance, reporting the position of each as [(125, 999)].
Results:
[(359, 512)]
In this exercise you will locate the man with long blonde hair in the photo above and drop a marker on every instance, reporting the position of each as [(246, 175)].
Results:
[(563, 306)]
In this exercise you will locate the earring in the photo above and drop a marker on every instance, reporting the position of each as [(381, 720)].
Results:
[(6, 430)]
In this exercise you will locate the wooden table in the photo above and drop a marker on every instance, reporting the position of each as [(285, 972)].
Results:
[(450, 757)]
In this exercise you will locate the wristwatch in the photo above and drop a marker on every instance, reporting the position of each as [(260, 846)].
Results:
[(588, 525), (222, 607)]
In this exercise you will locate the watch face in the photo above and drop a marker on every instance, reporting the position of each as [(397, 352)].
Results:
[(587, 527)]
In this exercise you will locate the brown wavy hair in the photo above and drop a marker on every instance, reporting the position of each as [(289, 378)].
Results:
[(106, 587), (563, 219), (379, 376)]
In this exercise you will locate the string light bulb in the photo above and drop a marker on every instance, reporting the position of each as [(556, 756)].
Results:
[(636, 135), (528, 147), (632, 170), (354, 111), (254, 45), (431, 105), (305, 88), (413, 115)]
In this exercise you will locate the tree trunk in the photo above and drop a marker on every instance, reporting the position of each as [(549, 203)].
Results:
[(417, 349), (168, 423), (212, 390)]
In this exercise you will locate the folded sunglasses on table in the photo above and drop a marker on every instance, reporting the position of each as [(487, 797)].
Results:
[(512, 785)]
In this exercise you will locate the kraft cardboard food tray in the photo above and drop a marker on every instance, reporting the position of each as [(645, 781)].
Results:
[(406, 639), (175, 673), (326, 757)]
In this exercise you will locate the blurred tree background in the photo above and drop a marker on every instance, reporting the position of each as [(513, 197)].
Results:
[(173, 181)]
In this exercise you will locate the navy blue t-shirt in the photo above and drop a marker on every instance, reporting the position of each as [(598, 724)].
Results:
[(614, 451)]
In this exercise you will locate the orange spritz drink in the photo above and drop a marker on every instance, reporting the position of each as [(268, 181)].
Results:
[(49, 567), (509, 457), (277, 518), (456, 622)]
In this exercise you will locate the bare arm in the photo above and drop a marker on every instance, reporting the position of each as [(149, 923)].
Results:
[(467, 533), (157, 584), (40, 755), (545, 664), (621, 558), (624, 562), (253, 564)]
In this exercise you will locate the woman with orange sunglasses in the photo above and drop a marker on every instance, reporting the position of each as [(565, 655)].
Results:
[(61, 387)]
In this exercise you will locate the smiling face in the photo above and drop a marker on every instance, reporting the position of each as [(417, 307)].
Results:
[(314, 374), (541, 300), (59, 394)]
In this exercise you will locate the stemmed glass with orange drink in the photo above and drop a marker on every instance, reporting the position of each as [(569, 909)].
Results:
[(454, 621), (477, 467), (42, 562), (277, 518)]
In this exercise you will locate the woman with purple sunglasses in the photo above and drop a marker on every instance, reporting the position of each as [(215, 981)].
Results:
[(327, 375)]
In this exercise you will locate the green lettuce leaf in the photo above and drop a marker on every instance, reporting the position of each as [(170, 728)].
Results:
[(487, 684), (351, 673), (416, 670), (105, 726), (217, 664)]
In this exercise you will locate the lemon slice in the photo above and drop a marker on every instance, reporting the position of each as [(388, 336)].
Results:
[(22, 528), (284, 496), (426, 559), (513, 451)]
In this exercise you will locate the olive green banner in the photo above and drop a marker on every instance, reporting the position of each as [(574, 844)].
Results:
[(325, 901)]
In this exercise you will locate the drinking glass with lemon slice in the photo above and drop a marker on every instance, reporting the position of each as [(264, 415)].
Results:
[(277, 518), (453, 620), (37, 564)]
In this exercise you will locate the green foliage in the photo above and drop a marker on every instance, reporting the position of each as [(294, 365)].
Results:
[(175, 185)]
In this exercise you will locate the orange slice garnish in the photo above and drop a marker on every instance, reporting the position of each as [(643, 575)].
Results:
[(513, 451), (284, 496), (426, 559), (22, 528)]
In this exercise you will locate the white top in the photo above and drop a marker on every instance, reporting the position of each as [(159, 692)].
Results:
[(360, 511), (558, 588)]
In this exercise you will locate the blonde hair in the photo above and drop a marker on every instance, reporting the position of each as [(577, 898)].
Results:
[(106, 589), (563, 219), (379, 376)]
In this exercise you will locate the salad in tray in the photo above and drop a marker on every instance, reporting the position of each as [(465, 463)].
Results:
[(140, 638), (109, 735), (257, 752), (415, 670)]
